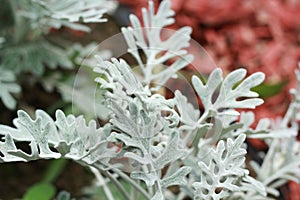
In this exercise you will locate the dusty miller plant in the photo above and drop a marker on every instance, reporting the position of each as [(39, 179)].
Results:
[(166, 148), (25, 45)]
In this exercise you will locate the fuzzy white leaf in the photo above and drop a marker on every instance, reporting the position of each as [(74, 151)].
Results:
[(148, 38), (188, 114), (55, 13), (178, 178), (70, 136), (232, 89), (222, 170), (205, 92), (149, 178)]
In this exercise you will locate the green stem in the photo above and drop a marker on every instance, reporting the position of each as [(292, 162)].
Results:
[(54, 170)]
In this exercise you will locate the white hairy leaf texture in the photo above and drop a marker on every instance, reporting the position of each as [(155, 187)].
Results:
[(221, 173), (69, 135), (234, 92), (178, 178), (118, 76), (148, 38), (55, 13)]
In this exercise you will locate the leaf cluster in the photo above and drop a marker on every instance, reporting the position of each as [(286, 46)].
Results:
[(166, 148)]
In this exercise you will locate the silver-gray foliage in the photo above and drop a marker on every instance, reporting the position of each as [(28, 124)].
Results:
[(24, 46), (70, 136), (160, 143), (148, 39)]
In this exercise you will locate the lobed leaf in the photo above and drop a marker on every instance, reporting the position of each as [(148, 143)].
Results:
[(158, 50), (234, 91), (221, 172)]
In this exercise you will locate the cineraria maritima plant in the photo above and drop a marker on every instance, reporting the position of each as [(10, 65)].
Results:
[(26, 46), (169, 149)]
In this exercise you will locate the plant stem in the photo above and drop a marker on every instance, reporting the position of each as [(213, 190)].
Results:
[(290, 114), (117, 184), (54, 170), (134, 184), (103, 183)]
